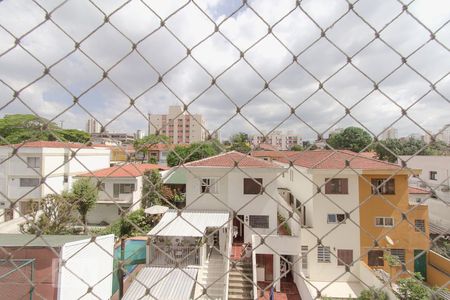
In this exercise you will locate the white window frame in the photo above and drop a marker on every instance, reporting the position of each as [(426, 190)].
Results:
[(323, 254), (384, 222), (34, 162), (211, 185), (335, 219), (265, 217)]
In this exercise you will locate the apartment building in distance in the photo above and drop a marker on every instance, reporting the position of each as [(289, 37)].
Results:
[(389, 133), (93, 126), (179, 126), (278, 139), (21, 174)]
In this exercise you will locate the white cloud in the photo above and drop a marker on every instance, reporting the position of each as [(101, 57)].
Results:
[(186, 79)]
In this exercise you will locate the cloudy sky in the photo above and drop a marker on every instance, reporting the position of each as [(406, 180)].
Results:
[(254, 45)]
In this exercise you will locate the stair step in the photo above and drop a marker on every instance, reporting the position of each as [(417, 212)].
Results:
[(240, 284)]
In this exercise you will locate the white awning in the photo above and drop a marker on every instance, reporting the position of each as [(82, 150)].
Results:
[(156, 210), (190, 223), (164, 283)]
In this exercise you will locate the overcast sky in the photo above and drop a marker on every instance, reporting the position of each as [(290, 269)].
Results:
[(187, 78)]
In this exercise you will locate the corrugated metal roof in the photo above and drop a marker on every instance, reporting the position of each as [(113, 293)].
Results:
[(164, 283), (436, 229), (191, 223), (29, 240)]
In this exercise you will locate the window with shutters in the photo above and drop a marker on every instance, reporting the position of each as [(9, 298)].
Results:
[(122, 188), (336, 186), (256, 221), (345, 257), (381, 186), (304, 257), (419, 225), (375, 258), (209, 185), (29, 182), (384, 222), (399, 253), (252, 186), (323, 254), (433, 175)]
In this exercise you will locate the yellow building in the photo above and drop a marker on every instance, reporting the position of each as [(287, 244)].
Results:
[(391, 227)]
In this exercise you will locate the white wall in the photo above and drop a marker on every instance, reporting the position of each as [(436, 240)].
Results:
[(80, 258), (317, 208), (231, 195), (103, 212)]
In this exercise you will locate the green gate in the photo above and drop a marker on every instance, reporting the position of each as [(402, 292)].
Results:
[(420, 263)]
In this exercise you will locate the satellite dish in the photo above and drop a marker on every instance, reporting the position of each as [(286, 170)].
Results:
[(389, 240)]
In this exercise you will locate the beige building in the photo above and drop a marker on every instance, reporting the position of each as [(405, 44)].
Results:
[(92, 126), (278, 139), (179, 126)]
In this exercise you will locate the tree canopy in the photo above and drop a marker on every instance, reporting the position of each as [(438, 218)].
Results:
[(191, 152), (389, 149), (85, 194), (351, 138), (240, 142), (17, 128)]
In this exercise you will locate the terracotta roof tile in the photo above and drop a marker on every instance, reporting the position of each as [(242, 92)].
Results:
[(330, 159), (272, 154), (128, 170), (51, 144), (414, 190), (229, 160)]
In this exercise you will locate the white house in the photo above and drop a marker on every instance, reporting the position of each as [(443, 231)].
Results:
[(325, 194), (435, 175), (120, 189), (25, 166)]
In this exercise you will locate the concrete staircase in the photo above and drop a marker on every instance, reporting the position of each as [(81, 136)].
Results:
[(211, 276), (240, 287)]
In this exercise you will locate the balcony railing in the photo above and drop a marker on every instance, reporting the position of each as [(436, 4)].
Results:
[(162, 255)]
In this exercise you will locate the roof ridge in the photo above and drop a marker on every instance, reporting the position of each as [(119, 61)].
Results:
[(210, 157)]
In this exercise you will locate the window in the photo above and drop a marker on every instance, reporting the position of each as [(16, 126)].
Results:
[(345, 257), (291, 175), (384, 222), (259, 221), (252, 186), (323, 254), (209, 185), (336, 186), (399, 253), (34, 162), (304, 257), (335, 218), (375, 258), (381, 186), (420, 225), (65, 179), (29, 182), (122, 188), (433, 175)]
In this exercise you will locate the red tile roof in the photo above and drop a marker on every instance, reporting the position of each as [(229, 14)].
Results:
[(51, 144), (414, 190), (230, 159), (272, 154), (331, 159), (128, 170), (267, 147)]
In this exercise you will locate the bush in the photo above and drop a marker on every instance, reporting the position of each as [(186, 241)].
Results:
[(373, 294), (135, 223)]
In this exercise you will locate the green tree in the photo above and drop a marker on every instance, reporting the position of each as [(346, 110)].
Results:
[(413, 288), (373, 294), (182, 154), (297, 148), (51, 215), (240, 142), (141, 146), (351, 138), (85, 194), (132, 224), (151, 189), (17, 128)]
